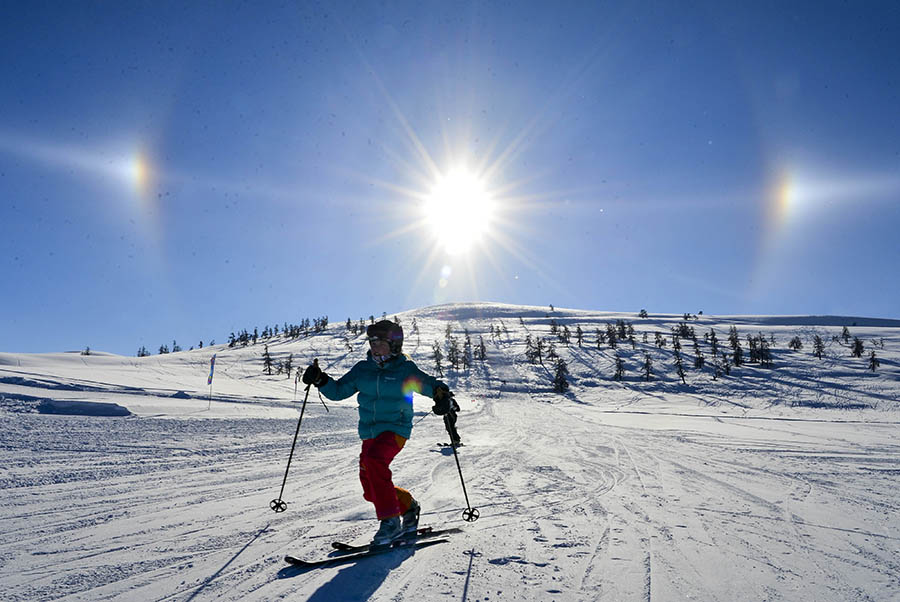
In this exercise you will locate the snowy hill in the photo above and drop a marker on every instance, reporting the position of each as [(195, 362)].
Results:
[(126, 478)]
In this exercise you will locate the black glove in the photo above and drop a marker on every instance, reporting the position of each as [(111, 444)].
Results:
[(443, 401), (314, 375)]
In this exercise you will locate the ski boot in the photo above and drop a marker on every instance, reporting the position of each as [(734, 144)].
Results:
[(390, 529), (411, 518)]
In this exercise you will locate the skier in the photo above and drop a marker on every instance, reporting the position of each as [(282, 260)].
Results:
[(450, 423), (385, 381)]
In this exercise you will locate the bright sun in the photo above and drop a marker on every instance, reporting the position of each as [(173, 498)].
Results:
[(458, 210)]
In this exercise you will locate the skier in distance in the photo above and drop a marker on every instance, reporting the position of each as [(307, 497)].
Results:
[(385, 381)]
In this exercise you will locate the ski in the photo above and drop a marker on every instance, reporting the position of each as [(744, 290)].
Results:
[(371, 551), (422, 533)]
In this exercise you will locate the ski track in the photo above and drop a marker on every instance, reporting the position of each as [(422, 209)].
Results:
[(614, 491)]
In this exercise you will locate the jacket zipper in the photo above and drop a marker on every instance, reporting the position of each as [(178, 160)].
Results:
[(377, 397)]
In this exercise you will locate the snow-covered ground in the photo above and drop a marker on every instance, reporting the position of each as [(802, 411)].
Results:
[(122, 478)]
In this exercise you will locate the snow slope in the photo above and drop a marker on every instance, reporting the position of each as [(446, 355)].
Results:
[(766, 484)]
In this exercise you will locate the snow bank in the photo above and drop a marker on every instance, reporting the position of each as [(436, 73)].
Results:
[(29, 404)]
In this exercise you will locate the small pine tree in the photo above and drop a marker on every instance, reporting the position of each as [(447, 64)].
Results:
[(858, 348), (738, 356), (660, 340), (289, 365), (539, 350), (648, 367), (765, 353), (734, 339), (845, 334), (796, 344), (142, 352), (551, 352), (753, 344), (560, 382), (579, 335), (453, 355), (713, 342), (437, 356), (267, 361), (818, 346), (873, 361), (620, 368), (679, 367), (530, 354), (699, 360), (621, 330)]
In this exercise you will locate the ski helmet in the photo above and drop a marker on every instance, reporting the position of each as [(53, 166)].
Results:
[(385, 330)]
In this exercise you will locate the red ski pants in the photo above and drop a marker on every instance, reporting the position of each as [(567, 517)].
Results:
[(375, 475)]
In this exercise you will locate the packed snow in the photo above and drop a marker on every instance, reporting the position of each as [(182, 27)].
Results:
[(129, 478)]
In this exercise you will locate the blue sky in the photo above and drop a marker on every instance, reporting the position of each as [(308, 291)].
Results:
[(183, 170)]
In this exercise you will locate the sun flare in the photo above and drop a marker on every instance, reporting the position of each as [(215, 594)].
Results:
[(459, 210)]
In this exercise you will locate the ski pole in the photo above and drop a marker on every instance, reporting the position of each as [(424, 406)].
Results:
[(470, 514), (278, 504)]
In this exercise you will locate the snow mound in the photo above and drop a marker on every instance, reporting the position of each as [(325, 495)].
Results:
[(81, 408), (25, 404)]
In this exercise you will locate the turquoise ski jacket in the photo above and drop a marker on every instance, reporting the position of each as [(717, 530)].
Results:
[(385, 393)]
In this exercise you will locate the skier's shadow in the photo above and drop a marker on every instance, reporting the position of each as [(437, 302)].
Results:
[(356, 581)]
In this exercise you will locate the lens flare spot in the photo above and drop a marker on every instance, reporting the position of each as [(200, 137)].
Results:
[(411, 385), (139, 173), (785, 195)]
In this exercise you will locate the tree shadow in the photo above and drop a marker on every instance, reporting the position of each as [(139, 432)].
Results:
[(213, 577)]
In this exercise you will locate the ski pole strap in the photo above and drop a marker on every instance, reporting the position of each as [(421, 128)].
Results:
[(322, 400)]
